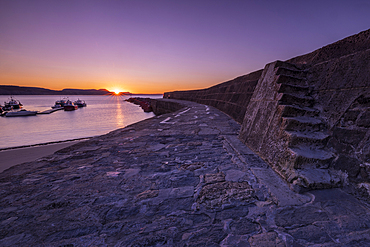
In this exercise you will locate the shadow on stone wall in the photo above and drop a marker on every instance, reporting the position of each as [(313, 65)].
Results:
[(231, 97)]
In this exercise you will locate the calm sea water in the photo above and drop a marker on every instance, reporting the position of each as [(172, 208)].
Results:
[(102, 115)]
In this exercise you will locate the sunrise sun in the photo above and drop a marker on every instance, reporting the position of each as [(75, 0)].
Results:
[(116, 91)]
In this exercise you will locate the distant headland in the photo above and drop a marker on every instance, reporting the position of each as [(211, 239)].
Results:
[(17, 90)]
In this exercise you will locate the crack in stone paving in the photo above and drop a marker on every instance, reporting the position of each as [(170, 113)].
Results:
[(162, 183)]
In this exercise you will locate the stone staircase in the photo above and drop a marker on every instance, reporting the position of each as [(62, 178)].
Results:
[(305, 132)]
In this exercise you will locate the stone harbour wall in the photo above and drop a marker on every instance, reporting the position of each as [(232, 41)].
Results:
[(308, 117), (342, 90), (162, 106), (231, 97)]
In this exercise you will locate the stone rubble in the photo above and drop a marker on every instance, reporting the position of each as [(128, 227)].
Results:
[(179, 179)]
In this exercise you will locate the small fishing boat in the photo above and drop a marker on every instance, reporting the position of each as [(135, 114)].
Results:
[(70, 106), (13, 104), (60, 103), (21, 113), (57, 106), (2, 112), (80, 103)]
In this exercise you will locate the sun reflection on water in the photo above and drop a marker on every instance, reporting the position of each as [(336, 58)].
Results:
[(119, 115)]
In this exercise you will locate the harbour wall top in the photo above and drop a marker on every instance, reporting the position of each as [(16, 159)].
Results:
[(309, 116)]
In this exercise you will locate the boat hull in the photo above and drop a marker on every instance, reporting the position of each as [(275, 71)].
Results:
[(80, 103), (21, 113), (70, 107)]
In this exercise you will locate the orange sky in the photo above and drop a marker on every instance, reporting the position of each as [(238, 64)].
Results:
[(135, 85)]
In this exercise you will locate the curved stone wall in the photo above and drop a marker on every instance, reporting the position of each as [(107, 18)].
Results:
[(308, 117), (310, 120), (231, 97), (342, 92)]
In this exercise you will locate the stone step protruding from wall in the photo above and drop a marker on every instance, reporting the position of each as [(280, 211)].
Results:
[(291, 88), (283, 125), (307, 157), (297, 98), (295, 111), (315, 179), (313, 138), (305, 132), (289, 79), (303, 123), (292, 71)]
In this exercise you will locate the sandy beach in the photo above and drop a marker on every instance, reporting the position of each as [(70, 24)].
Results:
[(17, 156)]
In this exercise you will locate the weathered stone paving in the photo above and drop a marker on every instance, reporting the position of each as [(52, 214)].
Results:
[(179, 179)]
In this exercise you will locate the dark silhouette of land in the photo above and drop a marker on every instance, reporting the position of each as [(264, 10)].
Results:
[(16, 90)]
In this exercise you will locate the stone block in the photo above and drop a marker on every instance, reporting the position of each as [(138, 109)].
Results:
[(182, 192), (244, 226), (350, 136), (234, 175), (267, 239), (300, 216), (260, 124), (278, 188), (214, 178), (338, 104), (235, 98), (364, 120), (238, 241), (266, 87), (351, 115), (348, 164), (310, 234), (365, 152), (339, 146), (232, 213)]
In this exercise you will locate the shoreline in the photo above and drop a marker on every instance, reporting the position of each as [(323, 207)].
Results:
[(45, 143), (18, 155)]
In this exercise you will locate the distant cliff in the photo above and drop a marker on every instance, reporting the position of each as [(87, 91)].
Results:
[(16, 90)]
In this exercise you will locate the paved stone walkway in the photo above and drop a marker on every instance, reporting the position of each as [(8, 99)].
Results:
[(180, 179)]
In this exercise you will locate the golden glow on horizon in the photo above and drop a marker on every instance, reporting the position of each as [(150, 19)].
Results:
[(115, 90), (134, 86)]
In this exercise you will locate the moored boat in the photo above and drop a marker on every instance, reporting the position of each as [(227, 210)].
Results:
[(80, 103), (57, 106), (70, 106), (60, 103), (21, 113), (2, 112), (13, 104)]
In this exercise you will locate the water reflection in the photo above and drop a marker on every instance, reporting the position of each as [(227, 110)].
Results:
[(119, 114), (102, 115)]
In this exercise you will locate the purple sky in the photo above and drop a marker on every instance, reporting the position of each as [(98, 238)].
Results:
[(157, 46)]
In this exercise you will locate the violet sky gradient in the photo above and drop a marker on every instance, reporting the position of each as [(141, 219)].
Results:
[(155, 46)]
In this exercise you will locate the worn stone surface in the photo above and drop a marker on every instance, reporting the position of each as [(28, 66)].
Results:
[(166, 181), (304, 115)]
